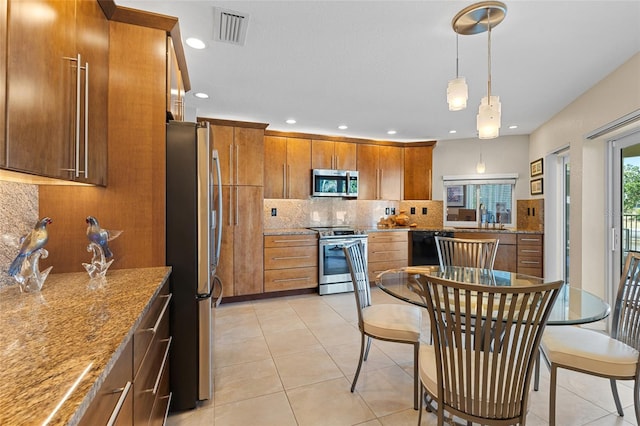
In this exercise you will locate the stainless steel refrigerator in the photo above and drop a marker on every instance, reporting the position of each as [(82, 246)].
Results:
[(194, 233)]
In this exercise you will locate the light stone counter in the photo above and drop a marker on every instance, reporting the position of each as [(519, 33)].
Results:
[(69, 333)]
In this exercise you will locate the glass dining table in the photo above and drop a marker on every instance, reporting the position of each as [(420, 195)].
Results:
[(573, 305)]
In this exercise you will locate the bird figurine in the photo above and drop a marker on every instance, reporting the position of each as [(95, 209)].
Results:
[(100, 236), (31, 242)]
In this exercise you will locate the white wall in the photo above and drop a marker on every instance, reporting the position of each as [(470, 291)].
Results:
[(505, 154), (616, 95)]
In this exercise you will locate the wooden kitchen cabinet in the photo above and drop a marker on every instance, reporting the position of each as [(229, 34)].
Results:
[(530, 254), (333, 155), (506, 257), (287, 167), (56, 114), (290, 262), (386, 250), (380, 172), (175, 85), (418, 172), (241, 151)]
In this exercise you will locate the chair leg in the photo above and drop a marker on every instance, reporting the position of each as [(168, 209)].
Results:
[(366, 354), (420, 407), (636, 400), (616, 398), (552, 396), (536, 372), (416, 378), (355, 378)]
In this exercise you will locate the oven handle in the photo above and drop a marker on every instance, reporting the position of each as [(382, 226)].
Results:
[(339, 243)]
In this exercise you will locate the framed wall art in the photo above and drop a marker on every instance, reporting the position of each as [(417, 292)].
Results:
[(536, 167), (455, 196), (536, 186)]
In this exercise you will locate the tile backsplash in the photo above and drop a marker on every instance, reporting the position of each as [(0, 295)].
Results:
[(18, 215)]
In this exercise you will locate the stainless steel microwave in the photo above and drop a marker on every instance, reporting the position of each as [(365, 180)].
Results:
[(334, 183)]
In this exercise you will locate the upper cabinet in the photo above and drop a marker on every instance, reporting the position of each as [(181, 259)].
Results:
[(333, 155), (417, 172), (175, 85), (380, 172), (56, 89), (287, 167), (241, 154)]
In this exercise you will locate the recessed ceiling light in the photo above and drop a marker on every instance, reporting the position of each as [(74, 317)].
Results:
[(290, 121), (195, 43), (343, 127), (391, 132), (513, 127), (453, 131), (201, 95)]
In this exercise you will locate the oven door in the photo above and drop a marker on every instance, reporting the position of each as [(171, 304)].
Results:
[(332, 265)]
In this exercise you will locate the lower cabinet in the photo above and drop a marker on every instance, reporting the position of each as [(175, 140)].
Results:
[(506, 258), (530, 254), (387, 250), (290, 262), (136, 391)]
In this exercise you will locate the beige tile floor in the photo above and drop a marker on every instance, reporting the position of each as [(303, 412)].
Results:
[(290, 361)]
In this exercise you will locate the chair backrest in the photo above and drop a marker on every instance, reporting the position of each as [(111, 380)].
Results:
[(626, 311), (477, 253), (356, 260), (485, 341)]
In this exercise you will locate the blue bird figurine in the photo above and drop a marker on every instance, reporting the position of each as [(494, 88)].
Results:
[(100, 236), (31, 242)]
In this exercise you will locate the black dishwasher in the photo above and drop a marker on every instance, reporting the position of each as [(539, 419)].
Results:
[(423, 247)]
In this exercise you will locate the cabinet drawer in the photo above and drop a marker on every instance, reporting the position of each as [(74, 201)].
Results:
[(290, 257), (534, 272), (387, 237), (290, 240), (505, 238), (376, 267), (149, 326), (115, 397), (529, 251), (390, 251), (162, 401), (290, 279), (147, 385), (529, 262), (530, 239)]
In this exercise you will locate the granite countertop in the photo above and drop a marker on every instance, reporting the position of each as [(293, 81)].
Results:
[(368, 229), (70, 333), (289, 231)]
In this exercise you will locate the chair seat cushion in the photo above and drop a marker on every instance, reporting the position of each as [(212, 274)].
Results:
[(393, 321), (589, 350)]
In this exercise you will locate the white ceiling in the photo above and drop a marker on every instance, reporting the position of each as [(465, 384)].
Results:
[(380, 65)]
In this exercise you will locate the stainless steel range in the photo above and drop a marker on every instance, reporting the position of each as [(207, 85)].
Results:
[(333, 270)]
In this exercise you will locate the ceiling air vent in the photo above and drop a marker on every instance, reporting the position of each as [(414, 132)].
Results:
[(230, 26)]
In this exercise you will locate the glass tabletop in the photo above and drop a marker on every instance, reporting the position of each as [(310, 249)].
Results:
[(573, 305)]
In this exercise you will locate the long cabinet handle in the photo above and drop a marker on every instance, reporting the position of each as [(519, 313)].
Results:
[(530, 251), (537, 240), (154, 329), (529, 262), (166, 411), (156, 385), (295, 241), (284, 181), (284, 280), (288, 195), (116, 410), (380, 185), (290, 257), (237, 207), (230, 166), (86, 120), (237, 164), (386, 251)]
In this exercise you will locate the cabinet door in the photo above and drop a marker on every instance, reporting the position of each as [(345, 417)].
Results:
[(345, 154), (92, 42), (368, 172), (417, 173), (298, 168), (222, 140), (390, 164), (249, 156), (225, 267), (41, 85), (322, 154), (275, 166), (248, 243)]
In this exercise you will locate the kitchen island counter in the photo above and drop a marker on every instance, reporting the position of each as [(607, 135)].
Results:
[(58, 345)]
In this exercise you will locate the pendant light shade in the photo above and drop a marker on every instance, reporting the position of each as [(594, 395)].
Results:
[(488, 120), (457, 94)]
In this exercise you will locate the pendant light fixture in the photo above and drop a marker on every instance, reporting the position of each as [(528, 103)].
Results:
[(476, 19), (457, 90)]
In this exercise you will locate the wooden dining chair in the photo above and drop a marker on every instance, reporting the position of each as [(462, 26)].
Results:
[(395, 322), (477, 253), (614, 356), (482, 373)]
